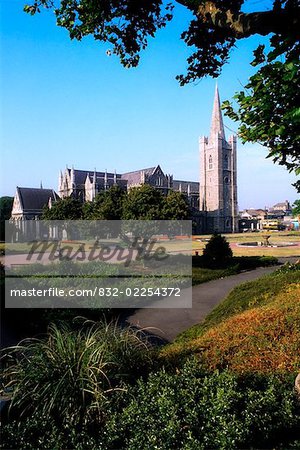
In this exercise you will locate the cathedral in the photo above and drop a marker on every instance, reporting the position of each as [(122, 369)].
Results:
[(213, 201), (85, 185)]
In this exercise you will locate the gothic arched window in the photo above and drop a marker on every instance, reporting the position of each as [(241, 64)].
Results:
[(210, 163)]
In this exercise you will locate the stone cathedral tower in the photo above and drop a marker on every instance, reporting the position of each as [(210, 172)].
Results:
[(218, 185)]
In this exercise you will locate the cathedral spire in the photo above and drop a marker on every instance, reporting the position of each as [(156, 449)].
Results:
[(217, 119)]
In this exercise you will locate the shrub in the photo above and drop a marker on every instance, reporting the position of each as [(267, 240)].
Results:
[(252, 262), (240, 262), (184, 410), (288, 268), (191, 410), (39, 432), (217, 252)]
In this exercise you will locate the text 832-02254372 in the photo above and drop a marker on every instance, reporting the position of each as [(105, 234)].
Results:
[(140, 292)]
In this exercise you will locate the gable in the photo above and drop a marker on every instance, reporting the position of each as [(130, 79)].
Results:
[(158, 171), (17, 207)]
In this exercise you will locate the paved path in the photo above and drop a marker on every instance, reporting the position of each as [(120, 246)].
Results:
[(169, 322)]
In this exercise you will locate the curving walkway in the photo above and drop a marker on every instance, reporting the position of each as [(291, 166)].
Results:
[(169, 322)]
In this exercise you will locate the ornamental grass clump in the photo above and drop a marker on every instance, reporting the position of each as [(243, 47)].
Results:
[(71, 376)]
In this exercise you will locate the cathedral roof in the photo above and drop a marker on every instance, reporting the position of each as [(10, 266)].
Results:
[(80, 175), (34, 199), (135, 176)]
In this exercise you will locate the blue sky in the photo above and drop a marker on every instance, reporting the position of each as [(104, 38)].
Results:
[(67, 102)]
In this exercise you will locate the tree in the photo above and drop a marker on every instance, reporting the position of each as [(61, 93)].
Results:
[(6, 204), (296, 208), (269, 111), (141, 207), (107, 205), (112, 205), (68, 208), (175, 207), (88, 210), (143, 203), (217, 252), (214, 29)]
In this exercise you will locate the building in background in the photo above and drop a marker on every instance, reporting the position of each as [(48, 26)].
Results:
[(29, 202), (277, 217), (27, 209), (285, 207)]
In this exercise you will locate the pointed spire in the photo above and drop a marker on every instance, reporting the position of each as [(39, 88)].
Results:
[(41, 185), (217, 119)]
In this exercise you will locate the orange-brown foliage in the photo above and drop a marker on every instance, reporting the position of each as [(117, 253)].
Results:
[(264, 339)]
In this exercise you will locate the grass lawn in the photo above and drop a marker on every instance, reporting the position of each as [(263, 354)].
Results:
[(199, 242), (283, 252), (276, 238), (24, 247)]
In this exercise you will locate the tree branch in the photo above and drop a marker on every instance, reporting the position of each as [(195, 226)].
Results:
[(242, 25)]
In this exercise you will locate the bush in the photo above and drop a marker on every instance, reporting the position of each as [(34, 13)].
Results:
[(252, 262), (190, 410), (289, 267), (238, 263), (184, 410), (217, 252)]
